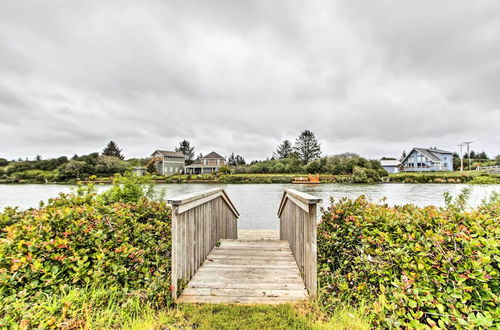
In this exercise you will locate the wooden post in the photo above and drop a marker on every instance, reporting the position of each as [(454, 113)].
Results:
[(199, 221), (297, 213)]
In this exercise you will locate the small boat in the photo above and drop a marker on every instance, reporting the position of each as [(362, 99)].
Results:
[(307, 180)]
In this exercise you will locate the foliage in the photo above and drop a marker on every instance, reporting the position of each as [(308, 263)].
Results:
[(187, 151), (130, 189), (368, 171), (224, 170), (307, 146), (445, 177), (284, 150), (416, 267), (80, 243), (235, 160), (112, 150)]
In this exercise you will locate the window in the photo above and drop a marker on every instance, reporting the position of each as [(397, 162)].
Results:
[(171, 169)]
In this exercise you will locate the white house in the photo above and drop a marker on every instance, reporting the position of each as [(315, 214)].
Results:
[(390, 165), (427, 160)]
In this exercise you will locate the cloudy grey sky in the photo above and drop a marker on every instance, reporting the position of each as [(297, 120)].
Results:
[(372, 77)]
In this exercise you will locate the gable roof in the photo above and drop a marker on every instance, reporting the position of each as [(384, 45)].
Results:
[(169, 153), (213, 155), (429, 153)]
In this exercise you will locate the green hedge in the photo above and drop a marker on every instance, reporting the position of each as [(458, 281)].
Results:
[(79, 242), (413, 266)]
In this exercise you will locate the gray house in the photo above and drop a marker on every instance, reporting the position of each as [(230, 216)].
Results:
[(168, 162), (427, 160)]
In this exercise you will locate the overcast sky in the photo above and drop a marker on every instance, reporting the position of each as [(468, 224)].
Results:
[(371, 77)]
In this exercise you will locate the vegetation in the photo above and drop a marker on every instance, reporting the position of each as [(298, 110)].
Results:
[(413, 267), (284, 150), (307, 147), (82, 254), (235, 160), (112, 150), (473, 177), (187, 150)]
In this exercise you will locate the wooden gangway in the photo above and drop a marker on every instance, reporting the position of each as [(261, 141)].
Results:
[(210, 264)]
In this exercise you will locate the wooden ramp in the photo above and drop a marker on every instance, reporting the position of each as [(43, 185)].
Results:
[(223, 265), (256, 270)]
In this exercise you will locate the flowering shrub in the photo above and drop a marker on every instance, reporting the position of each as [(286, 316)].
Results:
[(414, 266), (78, 241)]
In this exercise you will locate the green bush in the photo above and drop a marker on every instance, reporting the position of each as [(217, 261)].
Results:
[(81, 242), (414, 266)]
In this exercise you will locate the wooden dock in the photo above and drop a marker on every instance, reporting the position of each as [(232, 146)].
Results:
[(220, 264)]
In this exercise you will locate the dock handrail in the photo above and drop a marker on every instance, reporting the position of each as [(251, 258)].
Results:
[(297, 213), (199, 221)]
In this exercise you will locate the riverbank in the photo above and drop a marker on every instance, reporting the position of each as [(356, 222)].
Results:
[(468, 177)]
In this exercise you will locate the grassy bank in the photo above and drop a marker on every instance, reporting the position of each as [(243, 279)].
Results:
[(472, 177)]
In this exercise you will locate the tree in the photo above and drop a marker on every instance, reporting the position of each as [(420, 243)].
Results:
[(187, 150), (403, 155), (38, 158), (112, 150), (307, 147), (240, 160), (497, 159), (4, 162), (284, 150), (235, 160)]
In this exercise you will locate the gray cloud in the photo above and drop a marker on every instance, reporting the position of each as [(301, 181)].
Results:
[(240, 76)]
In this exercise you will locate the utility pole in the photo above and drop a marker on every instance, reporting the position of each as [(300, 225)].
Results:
[(461, 157), (468, 151)]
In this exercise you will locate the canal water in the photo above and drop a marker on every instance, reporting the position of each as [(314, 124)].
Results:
[(258, 203)]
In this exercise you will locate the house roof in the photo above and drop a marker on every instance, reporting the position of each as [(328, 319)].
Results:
[(169, 153), (429, 153), (213, 155), (389, 162)]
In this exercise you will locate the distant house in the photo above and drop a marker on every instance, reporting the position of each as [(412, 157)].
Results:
[(427, 160), (207, 164), (168, 162), (390, 165)]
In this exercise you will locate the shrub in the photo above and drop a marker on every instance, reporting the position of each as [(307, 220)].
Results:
[(81, 242), (415, 266)]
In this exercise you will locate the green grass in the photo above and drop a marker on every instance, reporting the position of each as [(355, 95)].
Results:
[(301, 316)]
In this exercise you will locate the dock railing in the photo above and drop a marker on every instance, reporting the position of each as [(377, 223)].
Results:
[(297, 213), (199, 221)]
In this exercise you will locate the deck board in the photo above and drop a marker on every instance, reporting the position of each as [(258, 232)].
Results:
[(253, 270)]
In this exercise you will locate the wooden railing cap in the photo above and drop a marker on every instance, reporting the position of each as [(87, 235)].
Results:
[(186, 202), (305, 197), (298, 196), (183, 199)]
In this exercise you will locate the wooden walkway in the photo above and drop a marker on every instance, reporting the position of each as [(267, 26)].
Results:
[(254, 270), (213, 262)]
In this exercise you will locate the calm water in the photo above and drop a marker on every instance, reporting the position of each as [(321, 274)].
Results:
[(258, 204)]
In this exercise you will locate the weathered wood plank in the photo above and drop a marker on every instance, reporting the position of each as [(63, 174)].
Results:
[(275, 293)]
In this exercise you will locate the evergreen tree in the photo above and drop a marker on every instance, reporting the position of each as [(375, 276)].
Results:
[(284, 150), (307, 146), (187, 150), (112, 150), (240, 160), (403, 156), (231, 161), (235, 160)]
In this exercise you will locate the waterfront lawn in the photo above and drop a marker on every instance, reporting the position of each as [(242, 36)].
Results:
[(479, 177)]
